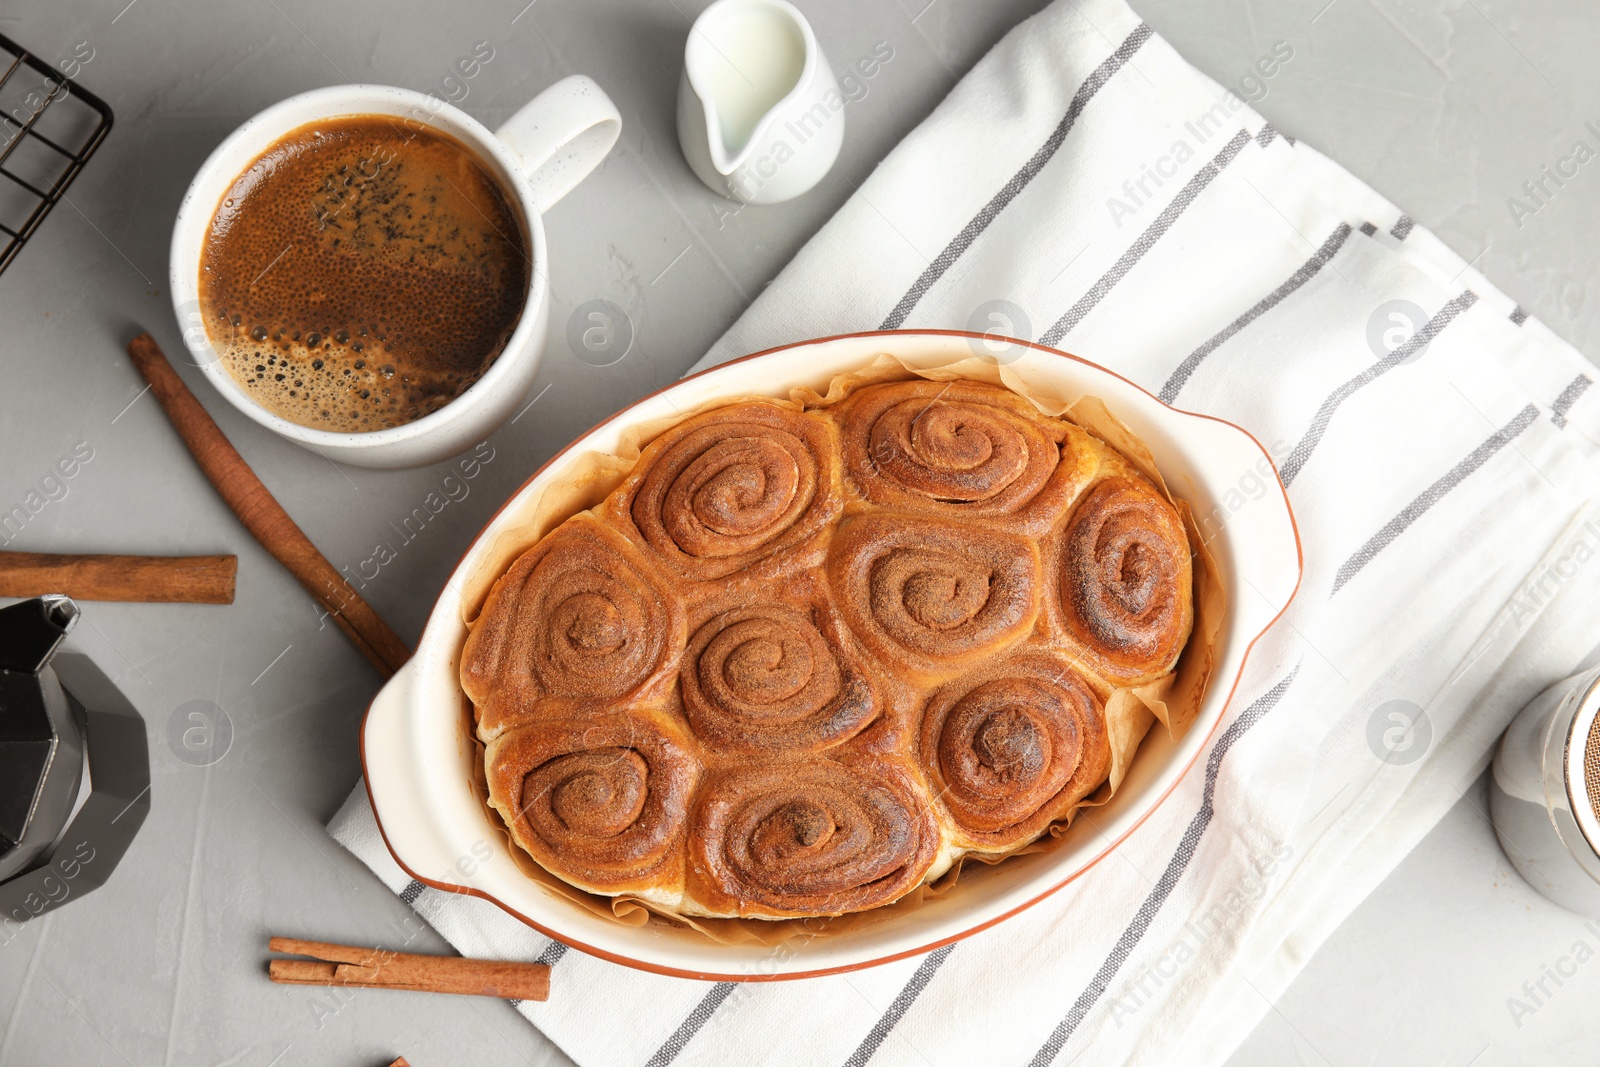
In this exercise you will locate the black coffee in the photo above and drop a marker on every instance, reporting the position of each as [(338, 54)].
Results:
[(362, 272)]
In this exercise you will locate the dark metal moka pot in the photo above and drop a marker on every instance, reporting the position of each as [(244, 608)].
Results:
[(41, 740), (74, 765)]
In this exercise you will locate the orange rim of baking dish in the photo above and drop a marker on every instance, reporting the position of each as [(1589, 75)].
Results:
[(711, 976)]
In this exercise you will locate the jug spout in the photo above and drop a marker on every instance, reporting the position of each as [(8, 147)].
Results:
[(30, 632), (744, 58)]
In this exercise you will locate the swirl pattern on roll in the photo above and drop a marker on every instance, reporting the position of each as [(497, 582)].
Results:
[(818, 837), (1013, 748), (601, 802), (734, 486), (936, 592), (771, 676), (1125, 579), (962, 448), (577, 618)]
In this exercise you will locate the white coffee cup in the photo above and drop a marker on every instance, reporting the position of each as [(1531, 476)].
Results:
[(538, 156)]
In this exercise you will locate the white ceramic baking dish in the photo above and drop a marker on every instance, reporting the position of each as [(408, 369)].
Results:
[(417, 752)]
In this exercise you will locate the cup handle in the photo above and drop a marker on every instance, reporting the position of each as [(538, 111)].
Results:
[(561, 135)]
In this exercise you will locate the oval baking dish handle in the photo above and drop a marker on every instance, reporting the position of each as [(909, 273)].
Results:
[(561, 135), (1267, 552), (389, 761)]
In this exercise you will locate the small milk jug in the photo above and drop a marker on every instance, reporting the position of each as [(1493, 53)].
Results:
[(760, 116)]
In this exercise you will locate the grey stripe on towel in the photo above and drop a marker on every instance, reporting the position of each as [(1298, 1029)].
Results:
[(1569, 396), (1418, 341), (552, 954), (898, 1007), (1147, 912), (1186, 196), (689, 1027), (1307, 271), (1432, 495), (1018, 182)]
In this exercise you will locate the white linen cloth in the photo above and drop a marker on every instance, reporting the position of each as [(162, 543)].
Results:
[(1442, 492)]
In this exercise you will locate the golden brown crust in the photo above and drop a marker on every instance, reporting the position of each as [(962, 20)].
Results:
[(578, 621), (747, 486), (1123, 579), (930, 595), (961, 449), (599, 801), (1013, 747), (776, 672), (819, 837)]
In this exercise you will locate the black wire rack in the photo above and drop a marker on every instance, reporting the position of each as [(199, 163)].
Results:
[(49, 127)]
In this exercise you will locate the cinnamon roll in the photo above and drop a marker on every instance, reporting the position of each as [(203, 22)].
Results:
[(775, 675), (1124, 579), (932, 594), (578, 619), (961, 448), (817, 837), (600, 801), (1014, 747), (735, 488)]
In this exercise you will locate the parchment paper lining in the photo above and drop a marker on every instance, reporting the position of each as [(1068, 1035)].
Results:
[(1173, 699)]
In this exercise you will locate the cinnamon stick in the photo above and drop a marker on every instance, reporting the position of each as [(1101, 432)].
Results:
[(346, 965), (142, 579), (261, 514)]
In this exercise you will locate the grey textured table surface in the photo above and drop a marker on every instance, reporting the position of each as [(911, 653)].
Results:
[(1445, 106)]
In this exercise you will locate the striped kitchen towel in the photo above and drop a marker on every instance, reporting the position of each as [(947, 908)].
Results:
[(1085, 187)]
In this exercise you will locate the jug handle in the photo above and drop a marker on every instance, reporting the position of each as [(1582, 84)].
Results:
[(561, 135)]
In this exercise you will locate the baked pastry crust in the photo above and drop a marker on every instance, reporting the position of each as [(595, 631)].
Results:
[(810, 837), (1011, 748), (749, 492), (962, 449), (580, 623), (599, 800), (804, 659)]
